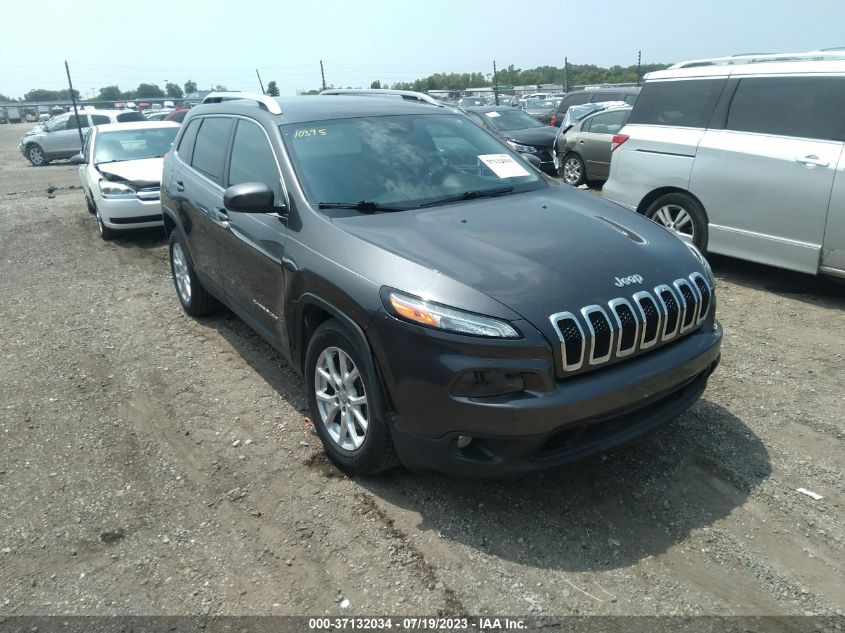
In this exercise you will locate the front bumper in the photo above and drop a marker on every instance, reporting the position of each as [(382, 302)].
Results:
[(552, 423), (130, 213)]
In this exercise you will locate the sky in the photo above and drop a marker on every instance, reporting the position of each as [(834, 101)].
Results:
[(359, 41)]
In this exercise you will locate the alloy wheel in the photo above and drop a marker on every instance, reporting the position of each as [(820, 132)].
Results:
[(341, 398), (36, 155), (675, 218), (181, 273), (571, 171)]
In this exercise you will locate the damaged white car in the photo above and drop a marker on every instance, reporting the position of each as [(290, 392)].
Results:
[(120, 168)]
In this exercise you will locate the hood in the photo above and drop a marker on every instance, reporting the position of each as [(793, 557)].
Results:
[(547, 251), (143, 173), (536, 136)]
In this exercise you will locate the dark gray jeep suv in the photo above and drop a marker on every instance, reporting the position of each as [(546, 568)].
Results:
[(449, 306)]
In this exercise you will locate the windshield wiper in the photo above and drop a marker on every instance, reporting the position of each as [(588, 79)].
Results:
[(469, 195), (366, 206)]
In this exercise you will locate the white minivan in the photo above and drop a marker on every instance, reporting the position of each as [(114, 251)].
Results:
[(742, 156)]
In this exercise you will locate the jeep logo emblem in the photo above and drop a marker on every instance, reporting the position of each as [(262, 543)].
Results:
[(627, 281)]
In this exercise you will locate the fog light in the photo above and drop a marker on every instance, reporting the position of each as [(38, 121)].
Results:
[(464, 440)]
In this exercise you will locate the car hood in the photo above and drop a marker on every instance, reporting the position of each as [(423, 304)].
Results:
[(536, 136), (538, 253), (144, 173)]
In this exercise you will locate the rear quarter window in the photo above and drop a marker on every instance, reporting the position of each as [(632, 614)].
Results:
[(677, 103), (210, 147)]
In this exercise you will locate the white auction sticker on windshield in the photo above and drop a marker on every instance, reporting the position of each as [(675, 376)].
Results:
[(503, 165), (493, 114)]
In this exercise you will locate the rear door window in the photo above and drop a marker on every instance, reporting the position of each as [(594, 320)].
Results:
[(99, 119), (678, 103), (210, 147), (804, 107)]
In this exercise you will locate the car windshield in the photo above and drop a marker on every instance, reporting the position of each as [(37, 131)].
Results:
[(402, 162), (540, 104), (505, 120), (133, 144)]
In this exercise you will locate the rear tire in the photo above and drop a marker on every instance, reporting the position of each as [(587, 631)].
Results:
[(683, 215), (195, 300), (342, 394)]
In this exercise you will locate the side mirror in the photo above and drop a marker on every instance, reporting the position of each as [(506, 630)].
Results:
[(532, 159), (78, 159), (249, 197)]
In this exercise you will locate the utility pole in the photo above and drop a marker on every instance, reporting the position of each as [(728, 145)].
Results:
[(495, 83), (639, 67), (260, 83), (566, 74), (75, 110), (322, 74)]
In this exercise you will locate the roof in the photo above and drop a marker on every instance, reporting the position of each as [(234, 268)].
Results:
[(135, 125), (318, 108)]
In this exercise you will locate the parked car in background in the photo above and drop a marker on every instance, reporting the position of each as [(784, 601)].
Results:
[(2, 116), (522, 132), (628, 94), (177, 116), (583, 150), (56, 110), (13, 114), (541, 109), (158, 115), (466, 102), (742, 156), (449, 310), (120, 170), (59, 137), (534, 95)]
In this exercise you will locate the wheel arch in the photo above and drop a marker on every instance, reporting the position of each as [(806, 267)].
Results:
[(651, 196), (311, 312)]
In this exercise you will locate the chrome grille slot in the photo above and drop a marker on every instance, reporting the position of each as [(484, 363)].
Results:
[(671, 312), (572, 339), (689, 304), (704, 293), (651, 318), (601, 334), (627, 325)]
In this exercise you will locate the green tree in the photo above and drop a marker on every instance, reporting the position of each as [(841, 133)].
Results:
[(4, 98), (376, 85), (109, 93), (40, 94), (273, 89), (173, 90), (151, 91), (220, 88), (190, 86)]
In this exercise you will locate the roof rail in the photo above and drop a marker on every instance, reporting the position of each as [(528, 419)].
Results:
[(408, 95), (752, 58), (267, 103)]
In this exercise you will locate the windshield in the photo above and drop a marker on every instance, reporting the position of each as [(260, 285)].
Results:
[(505, 120), (133, 144), (402, 161), (540, 104)]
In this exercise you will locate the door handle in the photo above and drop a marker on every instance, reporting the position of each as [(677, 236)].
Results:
[(221, 217), (811, 160), (582, 141), (180, 186)]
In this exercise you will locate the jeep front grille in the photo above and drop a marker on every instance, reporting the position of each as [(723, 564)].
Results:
[(595, 334)]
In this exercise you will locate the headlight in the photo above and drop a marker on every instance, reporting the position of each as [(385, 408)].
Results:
[(116, 189), (524, 149), (440, 317), (701, 258)]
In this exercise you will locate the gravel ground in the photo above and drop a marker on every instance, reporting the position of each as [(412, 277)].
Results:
[(152, 463)]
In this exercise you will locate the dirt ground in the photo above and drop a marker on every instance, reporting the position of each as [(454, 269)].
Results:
[(151, 463)]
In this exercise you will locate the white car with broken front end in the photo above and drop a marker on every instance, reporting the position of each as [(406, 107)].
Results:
[(120, 168)]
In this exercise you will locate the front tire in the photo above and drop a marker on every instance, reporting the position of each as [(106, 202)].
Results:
[(195, 300), (683, 215), (572, 170), (105, 232), (346, 403), (36, 155)]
